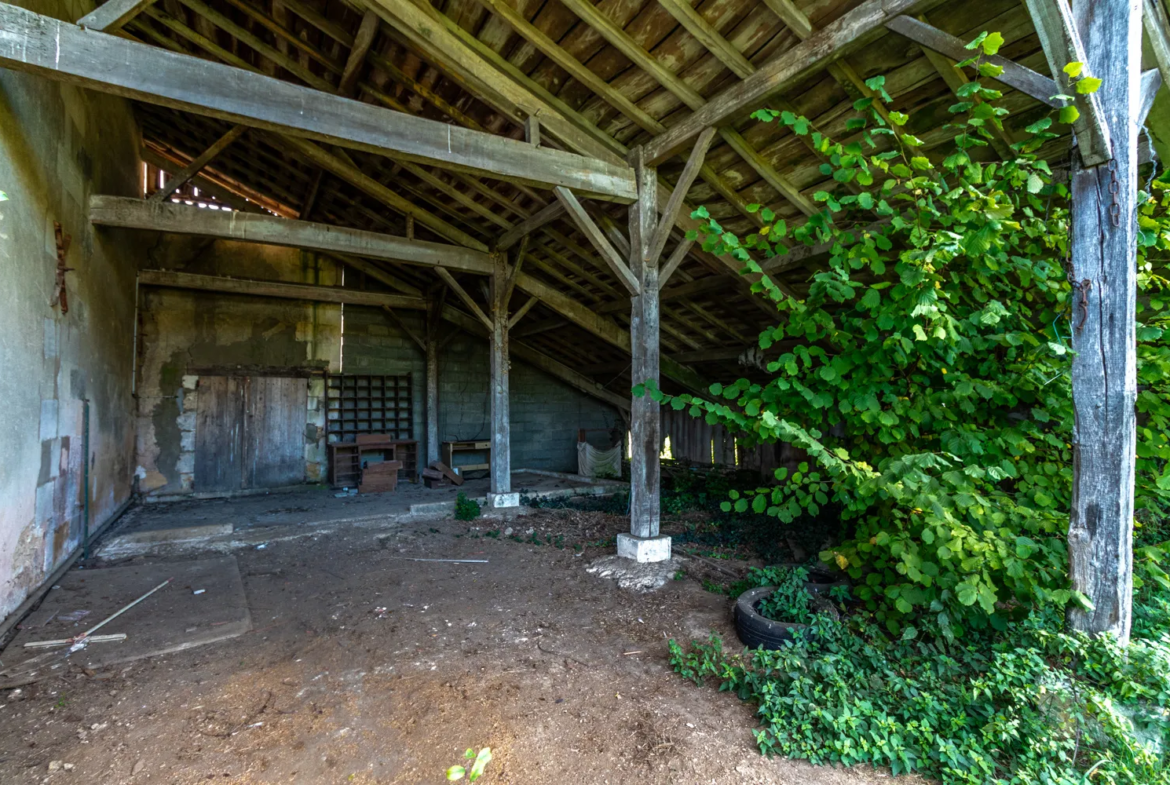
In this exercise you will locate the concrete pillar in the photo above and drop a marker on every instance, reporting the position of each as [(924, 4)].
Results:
[(501, 494), (643, 543)]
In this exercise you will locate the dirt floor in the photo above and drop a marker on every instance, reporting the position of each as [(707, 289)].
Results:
[(365, 667)]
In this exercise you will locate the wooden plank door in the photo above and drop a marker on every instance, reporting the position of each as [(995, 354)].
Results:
[(219, 430), (275, 436)]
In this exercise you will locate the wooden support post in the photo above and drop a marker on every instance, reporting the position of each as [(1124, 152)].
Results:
[(434, 318), (645, 423), (1104, 366), (501, 467)]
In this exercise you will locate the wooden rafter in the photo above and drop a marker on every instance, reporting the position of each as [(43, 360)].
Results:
[(65, 52)]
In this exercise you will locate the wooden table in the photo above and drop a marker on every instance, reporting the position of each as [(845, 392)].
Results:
[(450, 448)]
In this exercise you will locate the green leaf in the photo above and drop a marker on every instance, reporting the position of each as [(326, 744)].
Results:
[(990, 70), (977, 41), (1035, 184), (456, 773), (1070, 114), (1088, 85), (992, 43), (1073, 69)]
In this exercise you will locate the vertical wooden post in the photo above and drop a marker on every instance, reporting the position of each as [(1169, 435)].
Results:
[(1104, 370), (501, 464), (645, 422), (434, 317)]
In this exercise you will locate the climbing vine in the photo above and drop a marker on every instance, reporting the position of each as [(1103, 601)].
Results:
[(926, 371)]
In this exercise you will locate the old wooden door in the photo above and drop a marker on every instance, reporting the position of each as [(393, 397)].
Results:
[(249, 432)]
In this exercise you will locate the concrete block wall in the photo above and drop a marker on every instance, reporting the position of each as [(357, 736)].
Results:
[(58, 146), (545, 412)]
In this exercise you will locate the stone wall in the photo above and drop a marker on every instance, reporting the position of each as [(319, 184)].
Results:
[(185, 333), (59, 145)]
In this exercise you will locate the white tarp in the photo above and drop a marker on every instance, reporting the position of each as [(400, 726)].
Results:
[(594, 462)]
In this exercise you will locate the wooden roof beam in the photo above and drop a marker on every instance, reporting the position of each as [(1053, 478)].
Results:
[(597, 238), (852, 30), (57, 50), (112, 15), (180, 178), (248, 227), (1062, 45), (175, 279)]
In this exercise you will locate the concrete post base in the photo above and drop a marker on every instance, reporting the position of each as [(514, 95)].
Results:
[(497, 501), (643, 549)]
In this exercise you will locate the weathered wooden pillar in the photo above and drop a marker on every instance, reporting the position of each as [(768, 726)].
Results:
[(501, 463), (434, 319), (643, 543), (1104, 369)]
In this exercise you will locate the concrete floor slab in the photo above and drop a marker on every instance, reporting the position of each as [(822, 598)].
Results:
[(172, 619)]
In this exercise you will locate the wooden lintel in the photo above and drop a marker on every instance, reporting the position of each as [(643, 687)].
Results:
[(597, 238), (64, 52), (1062, 45), (679, 194), (529, 225), (270, 230), (180, 178), (1157, 26), (112, 15), (467, 299), (174, 279)]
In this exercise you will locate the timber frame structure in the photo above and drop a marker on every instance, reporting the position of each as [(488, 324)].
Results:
[(557, 149)]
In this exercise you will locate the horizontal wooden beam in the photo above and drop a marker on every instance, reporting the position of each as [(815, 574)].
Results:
[(253, 228), (57, 50), (1014, 75), (852, 30), (173, 279)]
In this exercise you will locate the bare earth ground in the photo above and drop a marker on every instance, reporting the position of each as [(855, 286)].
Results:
[(563, 674)]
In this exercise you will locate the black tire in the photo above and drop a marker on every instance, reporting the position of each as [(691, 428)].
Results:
[(754, 629)]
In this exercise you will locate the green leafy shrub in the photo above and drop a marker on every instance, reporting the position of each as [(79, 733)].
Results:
[(1025, 706), (466, 509), (925, 373), (790, 601)]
